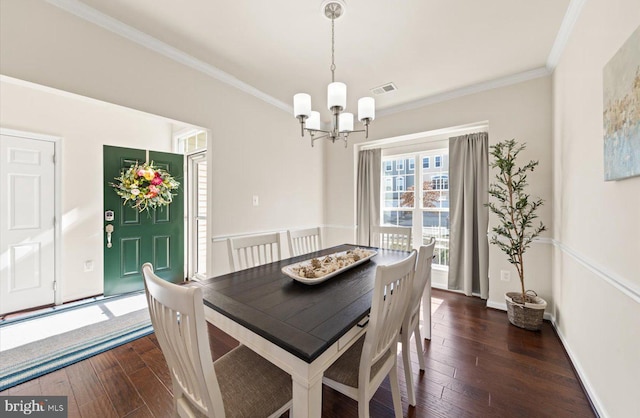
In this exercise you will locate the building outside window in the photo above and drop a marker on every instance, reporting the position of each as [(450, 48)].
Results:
[(428, 215)]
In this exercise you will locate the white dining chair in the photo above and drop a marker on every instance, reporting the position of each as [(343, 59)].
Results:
[(239, 384), (254, 250), (411, 323), (303, 241), (391, 237), (361, 369)]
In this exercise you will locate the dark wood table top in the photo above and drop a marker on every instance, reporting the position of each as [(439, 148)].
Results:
[(303, 319)]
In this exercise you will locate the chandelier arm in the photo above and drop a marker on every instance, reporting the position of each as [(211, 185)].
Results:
[(302, 118)]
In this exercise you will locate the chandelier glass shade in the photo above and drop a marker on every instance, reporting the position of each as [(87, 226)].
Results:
[(342, 123)]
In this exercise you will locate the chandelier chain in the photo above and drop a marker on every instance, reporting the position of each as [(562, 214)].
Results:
[(333, 65)]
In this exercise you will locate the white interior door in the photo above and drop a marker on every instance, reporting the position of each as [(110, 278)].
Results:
[(27, 252)]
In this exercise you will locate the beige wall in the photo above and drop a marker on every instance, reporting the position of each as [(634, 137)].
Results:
[(597, 222), (83, 126), (520, 111), (255, 147)]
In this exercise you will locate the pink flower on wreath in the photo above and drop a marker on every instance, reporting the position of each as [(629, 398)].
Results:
[(156, 180), (154, 189), (140, 173)]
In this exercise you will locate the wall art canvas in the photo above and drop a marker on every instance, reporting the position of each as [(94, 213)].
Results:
[(621, 83)]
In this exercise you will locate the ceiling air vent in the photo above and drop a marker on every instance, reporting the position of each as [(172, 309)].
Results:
[(383, 89)]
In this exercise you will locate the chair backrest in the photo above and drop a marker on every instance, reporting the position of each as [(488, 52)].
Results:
[(391, 294), (253, 250), (303, 241), (422, 278), (391, 237), (177, 315)]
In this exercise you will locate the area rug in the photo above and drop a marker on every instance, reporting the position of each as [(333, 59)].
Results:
[(35, 359)]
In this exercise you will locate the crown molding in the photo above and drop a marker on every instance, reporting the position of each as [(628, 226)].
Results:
[(92, 15), (568, 22), (467, 90), (98, 18)]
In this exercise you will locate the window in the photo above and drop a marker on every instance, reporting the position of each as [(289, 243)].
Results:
[(400, 165), (197, 215), (440, 182), (420, 199), (191, 141), (388, 166), (388, 184)]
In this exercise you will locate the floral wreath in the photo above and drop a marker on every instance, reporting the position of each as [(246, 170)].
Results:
[(145, 187)]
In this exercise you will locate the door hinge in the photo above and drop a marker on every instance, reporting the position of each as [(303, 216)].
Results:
[(53, 158), (55, 286)]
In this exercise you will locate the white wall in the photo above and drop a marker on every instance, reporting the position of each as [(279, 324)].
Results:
[(597, 223), (84, 126), (255, 147), (520, 111)]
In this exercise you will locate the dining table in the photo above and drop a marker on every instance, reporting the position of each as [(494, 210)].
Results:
[(301, 328)]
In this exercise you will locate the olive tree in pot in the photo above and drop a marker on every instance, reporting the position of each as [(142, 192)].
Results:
[(514, 233)]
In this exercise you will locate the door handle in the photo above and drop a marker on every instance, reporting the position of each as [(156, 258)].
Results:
[(109, 230)]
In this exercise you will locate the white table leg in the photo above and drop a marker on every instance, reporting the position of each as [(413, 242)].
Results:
[(307, 398)]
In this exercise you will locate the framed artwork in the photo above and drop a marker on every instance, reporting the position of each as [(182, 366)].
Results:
[(621, 112)]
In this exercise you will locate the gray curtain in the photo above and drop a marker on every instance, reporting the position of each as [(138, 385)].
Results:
[(368, 193), (469, 192)]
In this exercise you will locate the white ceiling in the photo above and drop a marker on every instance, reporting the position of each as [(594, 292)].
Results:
[(425, 47)]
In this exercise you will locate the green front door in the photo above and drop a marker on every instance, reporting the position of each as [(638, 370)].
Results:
[(156, 236)]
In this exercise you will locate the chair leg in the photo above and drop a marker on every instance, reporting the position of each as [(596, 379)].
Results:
[(426, 311), (408, 372), (395, 391), (363, 407), (419, 345)]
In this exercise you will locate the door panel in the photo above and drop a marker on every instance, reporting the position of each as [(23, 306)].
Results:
[(27, 214), (156, 236)]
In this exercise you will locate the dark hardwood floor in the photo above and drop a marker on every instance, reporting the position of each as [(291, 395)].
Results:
[(478, 365)]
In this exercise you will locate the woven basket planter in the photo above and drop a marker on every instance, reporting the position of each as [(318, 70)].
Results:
[(528, 315)]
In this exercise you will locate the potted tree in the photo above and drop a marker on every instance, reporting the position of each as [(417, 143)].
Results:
[(515, 231)]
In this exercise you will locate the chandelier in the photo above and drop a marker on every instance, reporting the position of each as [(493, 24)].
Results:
[(342, 122)]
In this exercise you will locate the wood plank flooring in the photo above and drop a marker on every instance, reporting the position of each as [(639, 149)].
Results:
[(477, 365)]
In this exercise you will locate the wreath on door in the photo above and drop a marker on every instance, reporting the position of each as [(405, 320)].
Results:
[(144, 187)]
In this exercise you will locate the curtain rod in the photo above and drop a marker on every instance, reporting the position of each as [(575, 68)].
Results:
[(425, 137)]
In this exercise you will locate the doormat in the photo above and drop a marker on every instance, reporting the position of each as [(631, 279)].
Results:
[(26, 362)]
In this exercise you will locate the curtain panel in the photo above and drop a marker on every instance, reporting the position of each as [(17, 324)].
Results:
[(368, 193), (469, 192)]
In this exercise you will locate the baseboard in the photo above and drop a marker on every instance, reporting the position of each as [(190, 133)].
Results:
[(594, 401)]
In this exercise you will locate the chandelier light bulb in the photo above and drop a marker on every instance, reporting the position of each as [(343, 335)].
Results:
[(313, 123), (337, 95), (302, 105), (366, 109), (346, 122)]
